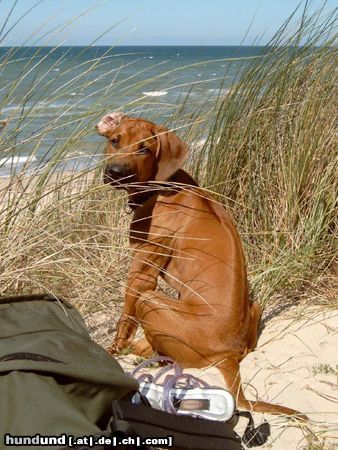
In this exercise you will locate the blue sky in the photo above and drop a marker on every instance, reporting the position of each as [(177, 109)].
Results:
[(149, 22)]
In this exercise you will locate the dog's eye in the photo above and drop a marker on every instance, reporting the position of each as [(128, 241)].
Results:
[(143, 150), (114, 142)]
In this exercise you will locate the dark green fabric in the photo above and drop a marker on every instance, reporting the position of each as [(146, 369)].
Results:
[(70, 392)]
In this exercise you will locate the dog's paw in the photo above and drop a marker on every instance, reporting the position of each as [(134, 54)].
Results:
[(113, 349), (119, 347)]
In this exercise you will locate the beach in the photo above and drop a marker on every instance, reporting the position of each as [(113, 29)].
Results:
[(260, 127), (293, 365)]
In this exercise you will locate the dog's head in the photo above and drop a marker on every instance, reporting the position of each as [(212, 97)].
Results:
[(139, 151)]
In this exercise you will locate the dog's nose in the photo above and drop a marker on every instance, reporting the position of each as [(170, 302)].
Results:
[(116, 172)]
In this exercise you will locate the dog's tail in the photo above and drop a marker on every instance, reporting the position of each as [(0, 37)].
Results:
[(232, 377)]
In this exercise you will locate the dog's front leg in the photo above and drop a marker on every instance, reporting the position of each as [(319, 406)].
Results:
[(142, 277)]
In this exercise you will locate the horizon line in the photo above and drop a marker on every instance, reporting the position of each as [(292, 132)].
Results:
[(135, 45)]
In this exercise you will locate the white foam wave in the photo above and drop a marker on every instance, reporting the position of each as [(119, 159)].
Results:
[(202, 141), (15, 160), (223, 91), (37, 106), (155, 93), (9, 108)]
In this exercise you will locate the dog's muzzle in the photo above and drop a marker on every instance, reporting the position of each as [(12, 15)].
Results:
[(118, 174)]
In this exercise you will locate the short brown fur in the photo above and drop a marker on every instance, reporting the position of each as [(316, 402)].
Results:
[(183, 235)]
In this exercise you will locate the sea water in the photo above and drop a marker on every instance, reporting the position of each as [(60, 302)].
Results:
[(53, 97)]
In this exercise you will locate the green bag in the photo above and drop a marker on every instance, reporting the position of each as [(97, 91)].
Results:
[(54, 380)]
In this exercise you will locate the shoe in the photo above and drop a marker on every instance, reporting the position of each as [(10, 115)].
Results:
[(182, 393)]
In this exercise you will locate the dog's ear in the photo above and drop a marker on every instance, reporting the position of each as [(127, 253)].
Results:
[(171, 153), (109, 122)]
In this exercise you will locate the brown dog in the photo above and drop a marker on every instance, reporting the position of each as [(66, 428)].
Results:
[(180, 233)]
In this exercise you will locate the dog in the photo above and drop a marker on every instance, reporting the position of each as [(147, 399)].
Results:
[(180, 233)]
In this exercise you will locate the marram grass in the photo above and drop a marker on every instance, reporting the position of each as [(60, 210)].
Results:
[(268, 154)]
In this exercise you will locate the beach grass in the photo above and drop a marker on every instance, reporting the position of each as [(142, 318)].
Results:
[(266, 149)]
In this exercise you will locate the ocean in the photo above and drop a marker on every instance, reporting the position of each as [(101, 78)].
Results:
[(53, 97)]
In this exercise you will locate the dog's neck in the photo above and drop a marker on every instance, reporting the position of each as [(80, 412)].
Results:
[(178, 181)]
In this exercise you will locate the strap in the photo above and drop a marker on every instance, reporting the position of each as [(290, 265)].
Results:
[(173, 365), (186, 432), (254, 437), (168, 404), (150, 189)]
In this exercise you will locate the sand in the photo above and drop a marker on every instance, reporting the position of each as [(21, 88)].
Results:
[(294, 364)]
